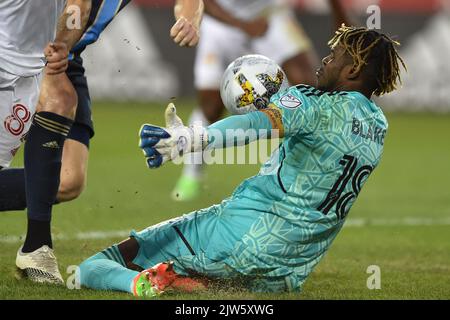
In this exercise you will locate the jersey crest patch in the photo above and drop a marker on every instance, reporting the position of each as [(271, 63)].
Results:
[(290, 101)]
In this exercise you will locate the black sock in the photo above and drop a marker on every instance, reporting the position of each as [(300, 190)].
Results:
[(12, 189), (43, 152), (38, 234)]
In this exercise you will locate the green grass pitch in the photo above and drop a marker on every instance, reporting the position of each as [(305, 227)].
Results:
[(400, 222)]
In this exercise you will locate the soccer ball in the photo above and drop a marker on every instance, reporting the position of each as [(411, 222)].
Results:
[(249, 82)]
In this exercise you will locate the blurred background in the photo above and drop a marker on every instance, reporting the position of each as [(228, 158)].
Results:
[(135, 59)]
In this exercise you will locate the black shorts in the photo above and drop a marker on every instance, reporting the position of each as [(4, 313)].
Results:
[(83, 127)]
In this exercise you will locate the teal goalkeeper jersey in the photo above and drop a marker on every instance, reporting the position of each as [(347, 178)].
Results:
[(302, 195)]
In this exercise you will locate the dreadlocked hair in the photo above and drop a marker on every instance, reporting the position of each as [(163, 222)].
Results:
[(374, 51)]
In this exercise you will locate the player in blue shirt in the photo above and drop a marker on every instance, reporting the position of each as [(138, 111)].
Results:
[(277, 225)]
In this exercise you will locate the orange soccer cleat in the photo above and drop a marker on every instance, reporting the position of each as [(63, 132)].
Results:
[(160, 278)]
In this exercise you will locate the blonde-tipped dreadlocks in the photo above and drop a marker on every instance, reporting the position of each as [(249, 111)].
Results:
[(364, 45)]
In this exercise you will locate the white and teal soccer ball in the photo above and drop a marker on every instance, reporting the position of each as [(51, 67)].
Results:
[(249, 82)]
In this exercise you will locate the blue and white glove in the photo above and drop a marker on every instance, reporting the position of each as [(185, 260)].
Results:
[(170, 143)]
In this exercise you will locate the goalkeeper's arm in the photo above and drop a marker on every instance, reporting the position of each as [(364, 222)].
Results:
[(240, 130), (161, 144)]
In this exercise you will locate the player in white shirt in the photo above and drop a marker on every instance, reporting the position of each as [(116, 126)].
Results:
[(26, 27)]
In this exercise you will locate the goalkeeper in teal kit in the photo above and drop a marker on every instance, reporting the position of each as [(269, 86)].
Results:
[(276, 226)]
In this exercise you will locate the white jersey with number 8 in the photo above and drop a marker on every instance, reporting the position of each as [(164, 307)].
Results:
[(26, 27)]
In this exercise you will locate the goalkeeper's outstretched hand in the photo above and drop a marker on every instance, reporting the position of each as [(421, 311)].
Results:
[(161, 144)]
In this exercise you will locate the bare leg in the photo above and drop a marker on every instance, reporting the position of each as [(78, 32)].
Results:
[(73, 171), (301, 68)]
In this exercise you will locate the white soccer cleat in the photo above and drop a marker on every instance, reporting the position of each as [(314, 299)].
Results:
[(39, 266)]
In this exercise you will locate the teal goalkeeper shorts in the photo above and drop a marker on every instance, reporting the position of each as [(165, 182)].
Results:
[(197, 242), (207, 242)]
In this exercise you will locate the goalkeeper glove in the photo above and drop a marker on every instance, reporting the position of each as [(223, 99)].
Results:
[(161, 144)]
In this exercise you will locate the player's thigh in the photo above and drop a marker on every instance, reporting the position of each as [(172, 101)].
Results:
[(284, 39), (219, 45), (182, 240), (162, 242), (58, 95), (73, 170), (17, 105), (301, 68), (211, 104), (199, 243), (83, 127)]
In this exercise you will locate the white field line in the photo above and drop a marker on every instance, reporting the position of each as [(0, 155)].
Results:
[(91, 235), (350, 223), (408, 221)]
